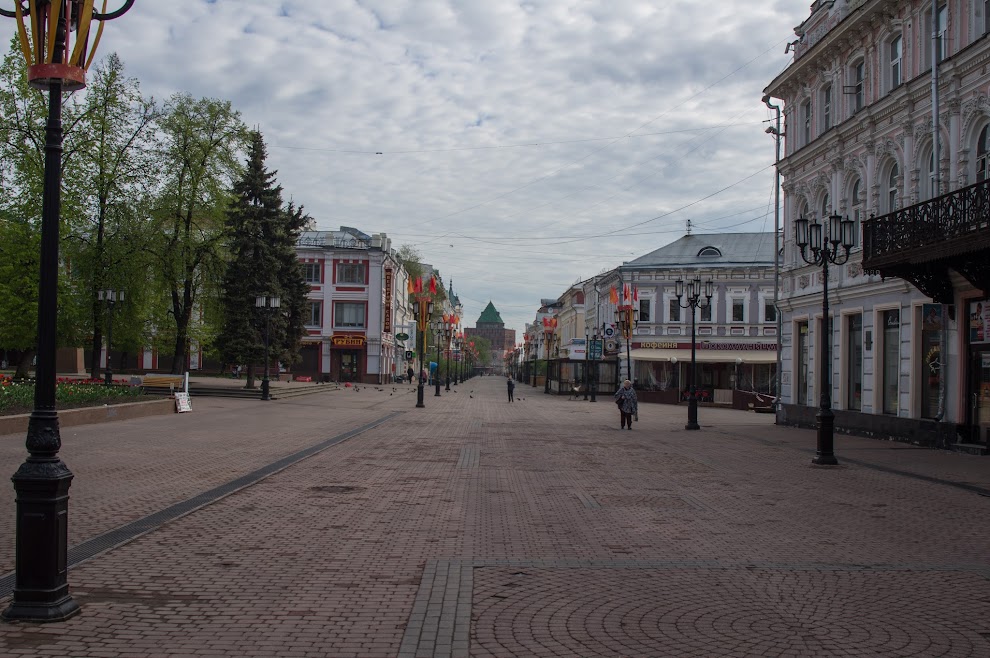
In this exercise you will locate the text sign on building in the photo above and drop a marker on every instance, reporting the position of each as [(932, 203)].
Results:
[(347, 341), (387, 325)]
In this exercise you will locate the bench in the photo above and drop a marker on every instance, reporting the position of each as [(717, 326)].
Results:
[(162, 382)]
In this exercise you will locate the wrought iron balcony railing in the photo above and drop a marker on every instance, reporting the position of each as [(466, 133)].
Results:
[(947, 226)]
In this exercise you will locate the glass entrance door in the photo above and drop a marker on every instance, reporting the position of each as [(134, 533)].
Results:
[(980, 394), (349, 366)]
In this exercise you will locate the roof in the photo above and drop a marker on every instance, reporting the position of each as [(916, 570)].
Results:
[(720, 249), (490, 316)]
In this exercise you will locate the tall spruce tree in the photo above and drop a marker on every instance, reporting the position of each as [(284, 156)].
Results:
[(262, 235)]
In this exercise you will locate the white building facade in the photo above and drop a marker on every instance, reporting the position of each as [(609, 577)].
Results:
[(860, 142)]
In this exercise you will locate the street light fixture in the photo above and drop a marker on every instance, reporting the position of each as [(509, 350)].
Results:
[(438, 327), (269, 305), (697, 296), (55, 41), (449, 331), (825, 251), (110, 298), (627, 317)]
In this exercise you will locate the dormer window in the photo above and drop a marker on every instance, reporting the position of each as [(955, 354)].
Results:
[(709, 252)]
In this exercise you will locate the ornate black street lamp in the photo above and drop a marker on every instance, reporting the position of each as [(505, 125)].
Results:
[(549, 338), (825, 251), (269, 305), (110, 298), (422, 311), (449, 331), (697, 296), (54, 39), (438, 327), (626, 318)]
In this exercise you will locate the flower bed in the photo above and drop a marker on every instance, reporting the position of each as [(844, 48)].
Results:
[(18, 397)]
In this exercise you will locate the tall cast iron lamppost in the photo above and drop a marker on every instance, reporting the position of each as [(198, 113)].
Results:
[(269, 305), (438, 328), (55, 40), (422, 310), (110, 298), (825, 251), (697, 296), (549, 336), (449, 331), (627, 317)]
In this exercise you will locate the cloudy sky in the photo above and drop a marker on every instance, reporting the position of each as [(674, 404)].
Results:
[(519, 145)]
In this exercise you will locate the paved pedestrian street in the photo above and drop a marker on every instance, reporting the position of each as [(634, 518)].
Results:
[(350, 523)]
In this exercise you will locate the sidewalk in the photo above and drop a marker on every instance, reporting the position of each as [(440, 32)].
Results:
[(538, 528)]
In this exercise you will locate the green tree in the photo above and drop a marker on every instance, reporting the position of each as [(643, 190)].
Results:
[(198, 164), (261, 242)]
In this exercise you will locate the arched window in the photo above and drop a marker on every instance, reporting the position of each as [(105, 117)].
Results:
[(857, 203), (823, 214), (983, 155), (857, 75), (930, 187), (710, 252), (891, 196), (806, 123), (826, 108)]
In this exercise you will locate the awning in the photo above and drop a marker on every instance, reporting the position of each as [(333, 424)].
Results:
[(705, 356)]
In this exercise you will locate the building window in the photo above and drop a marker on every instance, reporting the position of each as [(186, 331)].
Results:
[(738, 310), (675, 311), (892, 189), (312, 272), (315, 318), (801, 367), (710, 252), (806, 122), (706, 312), (930, 185), (930, 359), (854, 362), (858, 91), (896, 53), (891, 360), (857, 210), (941, 37), (826, 202), (769, 311), (353, 273), (644, 310), (348, 315), (986, 16), (983, 155), (826, 107)]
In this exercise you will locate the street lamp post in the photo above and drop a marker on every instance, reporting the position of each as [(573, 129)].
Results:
[(449, 330), (55, 39), (697, 296), (110, 298), (437, 336), (422, 311), (269, 305), (825, 250), (627, 317), (549, 336)]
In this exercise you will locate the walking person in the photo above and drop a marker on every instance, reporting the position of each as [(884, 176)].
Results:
[(625, 399), (410, 373), (511, 385)]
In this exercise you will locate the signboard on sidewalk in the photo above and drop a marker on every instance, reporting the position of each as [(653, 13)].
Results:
[(182, 403)]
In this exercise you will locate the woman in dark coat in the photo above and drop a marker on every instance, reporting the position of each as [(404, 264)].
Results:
[(625, 399)]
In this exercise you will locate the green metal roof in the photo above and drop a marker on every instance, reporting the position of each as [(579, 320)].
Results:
[(490, 315)]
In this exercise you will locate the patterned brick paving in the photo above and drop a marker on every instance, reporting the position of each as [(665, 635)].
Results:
[(479, 528)]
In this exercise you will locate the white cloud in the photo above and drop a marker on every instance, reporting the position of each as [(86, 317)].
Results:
[(493, 120)]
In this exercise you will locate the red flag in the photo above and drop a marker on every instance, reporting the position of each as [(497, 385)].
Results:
[(613, 296), (635, 294), (410, 286), (433, 285), (419, 285)]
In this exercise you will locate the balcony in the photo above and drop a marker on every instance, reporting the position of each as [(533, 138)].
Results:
[(921, 243)]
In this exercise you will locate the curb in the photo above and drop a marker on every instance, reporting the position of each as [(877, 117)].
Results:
[(90, 415)]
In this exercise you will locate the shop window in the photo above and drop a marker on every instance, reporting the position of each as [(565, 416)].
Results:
[(315, 318), (311, 271), (890, 360), (801, 365), (349, 315), (644, 310), (351, 273), (930, 358), (854, 362)]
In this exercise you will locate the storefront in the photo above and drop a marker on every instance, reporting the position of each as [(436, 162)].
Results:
[(978, 384), (723, 367), (348, 357)]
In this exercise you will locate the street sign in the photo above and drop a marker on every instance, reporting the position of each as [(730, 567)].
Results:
[(410, 355), (595, 350), (611, 347), (402, 336), (609, 330)]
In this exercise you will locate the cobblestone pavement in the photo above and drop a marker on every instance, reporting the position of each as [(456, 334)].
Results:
[(476, 527)]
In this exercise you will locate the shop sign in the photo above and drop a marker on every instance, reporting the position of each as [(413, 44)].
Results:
[(387, 323), (669, 345), (979, 322), (402, 336), (347, 341)]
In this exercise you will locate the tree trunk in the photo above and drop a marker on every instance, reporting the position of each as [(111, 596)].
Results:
[(24, 364), (250, 377), (94, 366)]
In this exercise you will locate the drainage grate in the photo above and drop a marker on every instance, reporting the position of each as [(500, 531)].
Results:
[(132, 530), (470, 457)]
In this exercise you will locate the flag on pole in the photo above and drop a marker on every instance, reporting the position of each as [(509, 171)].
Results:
[(613, 296), (433, 285), (410, 286)]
